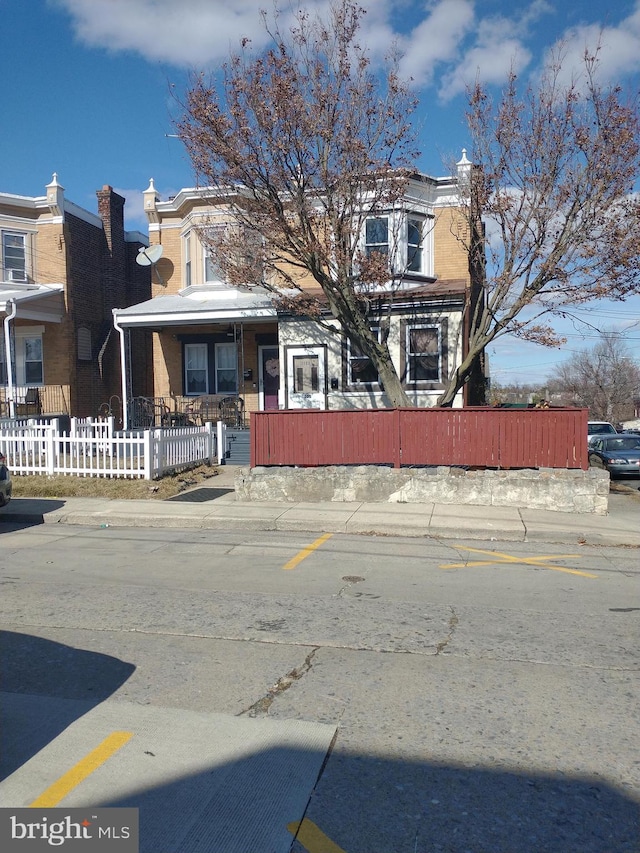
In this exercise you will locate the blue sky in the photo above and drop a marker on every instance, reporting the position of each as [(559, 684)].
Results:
[(87, 93)]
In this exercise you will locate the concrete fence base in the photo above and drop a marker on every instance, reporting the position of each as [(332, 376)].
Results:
[(558, 489)]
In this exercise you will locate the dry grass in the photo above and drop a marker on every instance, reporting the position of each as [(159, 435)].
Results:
[(41, 486)]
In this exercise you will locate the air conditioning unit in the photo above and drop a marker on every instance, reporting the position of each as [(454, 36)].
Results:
[(16, 275)]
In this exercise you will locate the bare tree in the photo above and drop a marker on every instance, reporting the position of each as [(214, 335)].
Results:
[(304, 143), (550, 199), (604, 379)]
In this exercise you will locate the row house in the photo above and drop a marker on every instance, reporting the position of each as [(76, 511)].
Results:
[(212, 341), (63, 270)]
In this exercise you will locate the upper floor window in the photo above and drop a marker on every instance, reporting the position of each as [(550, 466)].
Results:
[(361, 367), (187, 259), (212, 272), (414, 244), (14, 257), (423, 349), (377, 235)]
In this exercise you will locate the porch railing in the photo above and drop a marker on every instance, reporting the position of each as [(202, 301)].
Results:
[(35, 400)]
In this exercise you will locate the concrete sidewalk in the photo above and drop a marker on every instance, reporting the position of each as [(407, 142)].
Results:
[(621, 526)]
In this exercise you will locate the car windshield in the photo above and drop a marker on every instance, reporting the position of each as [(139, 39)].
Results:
[(626, 443), (599, 429)]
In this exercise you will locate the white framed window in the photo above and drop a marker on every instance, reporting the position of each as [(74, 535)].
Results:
[(377, 235), (196, 369), (226, 361), (423, 353), (415, 236), (27, 357), (187, 259), (14, 256), (360, 366), (212, 272)]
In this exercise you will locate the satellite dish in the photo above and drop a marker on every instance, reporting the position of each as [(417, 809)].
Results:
[(149, 255)]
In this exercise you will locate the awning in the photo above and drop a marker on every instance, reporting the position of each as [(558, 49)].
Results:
[(40, 302), (195, 309)]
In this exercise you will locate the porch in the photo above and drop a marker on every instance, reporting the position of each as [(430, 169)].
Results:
[(34, 401)]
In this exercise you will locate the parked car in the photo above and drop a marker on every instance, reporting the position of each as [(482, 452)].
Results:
[(618, 454), (5, 481), (595, 428)]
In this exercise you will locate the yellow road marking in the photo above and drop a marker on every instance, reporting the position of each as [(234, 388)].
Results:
[(302, 555), (85, 767), (312, 838), (503, 559)]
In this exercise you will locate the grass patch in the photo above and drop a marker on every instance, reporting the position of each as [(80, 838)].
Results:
[(42, 486)]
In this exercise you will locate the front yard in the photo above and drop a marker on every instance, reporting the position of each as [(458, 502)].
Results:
[(42, 486)]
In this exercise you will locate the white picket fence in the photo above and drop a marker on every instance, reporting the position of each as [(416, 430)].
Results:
[(94, 449)]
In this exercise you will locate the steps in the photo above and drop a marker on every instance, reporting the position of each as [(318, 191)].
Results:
[(238, 447)]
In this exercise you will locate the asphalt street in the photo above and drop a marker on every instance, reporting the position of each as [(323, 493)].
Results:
[(357, 694)]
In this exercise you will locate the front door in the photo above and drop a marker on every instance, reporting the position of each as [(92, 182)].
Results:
[(269, 378), (306, 378)]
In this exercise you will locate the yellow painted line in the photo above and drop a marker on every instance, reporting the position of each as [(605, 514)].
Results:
[(501, 559), (312, 838), (85, 767), (302, 555)]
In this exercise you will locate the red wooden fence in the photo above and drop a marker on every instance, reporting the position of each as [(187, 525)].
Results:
[(474, 437)]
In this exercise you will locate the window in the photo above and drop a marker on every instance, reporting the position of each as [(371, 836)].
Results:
[(212, 272), (196, 375), (14, 257), (305, 374), (27, 357), (226, 369), (187, 260), (414, 245), (423, 353), (377, 235), (361, 368), (33, 372), (210, 368)]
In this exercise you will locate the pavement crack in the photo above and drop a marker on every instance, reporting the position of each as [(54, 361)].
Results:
[(282, 684), (453, 624)]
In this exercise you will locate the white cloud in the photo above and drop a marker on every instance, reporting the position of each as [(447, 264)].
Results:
[(446, 43), (436, 39), (188, 33), (619, 54), (500, 45)]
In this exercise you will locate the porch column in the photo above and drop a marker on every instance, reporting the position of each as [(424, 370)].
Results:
[(123, 371), (10, 315)]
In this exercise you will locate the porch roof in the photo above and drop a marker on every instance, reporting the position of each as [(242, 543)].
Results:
[(41, 302), (196, 308)]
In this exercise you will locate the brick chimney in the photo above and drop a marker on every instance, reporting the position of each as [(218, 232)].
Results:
[(111, 211)]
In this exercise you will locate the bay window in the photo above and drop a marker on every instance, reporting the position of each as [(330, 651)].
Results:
[(377, 235), (414, 244)]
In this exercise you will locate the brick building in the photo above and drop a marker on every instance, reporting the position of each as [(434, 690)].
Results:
[(63, 270), (210, 339)]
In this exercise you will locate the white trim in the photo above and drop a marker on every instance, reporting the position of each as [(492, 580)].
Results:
[(197, 318)]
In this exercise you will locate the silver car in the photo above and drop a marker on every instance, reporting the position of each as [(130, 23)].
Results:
[(618, 454), (5, 481)]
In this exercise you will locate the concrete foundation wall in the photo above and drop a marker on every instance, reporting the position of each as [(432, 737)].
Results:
[(547, 488)]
